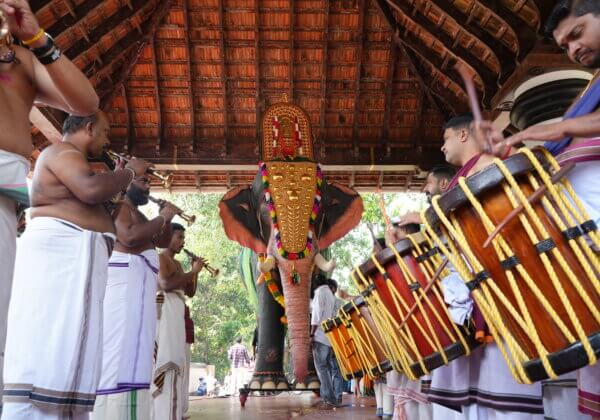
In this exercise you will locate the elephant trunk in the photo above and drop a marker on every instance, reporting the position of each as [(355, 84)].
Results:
[(297, 297)]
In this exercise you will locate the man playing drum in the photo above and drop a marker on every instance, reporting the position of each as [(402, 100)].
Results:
[(575, 26)]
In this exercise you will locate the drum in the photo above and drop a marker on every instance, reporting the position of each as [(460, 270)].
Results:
[(408, 307), (367, 340), (537, 283), (344, 348)]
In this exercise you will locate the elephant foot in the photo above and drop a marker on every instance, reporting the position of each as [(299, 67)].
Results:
[(271, 381), (310, 383)]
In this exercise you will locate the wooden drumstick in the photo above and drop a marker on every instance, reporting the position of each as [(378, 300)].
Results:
[(435, 277), (537, 195), (467, 77)]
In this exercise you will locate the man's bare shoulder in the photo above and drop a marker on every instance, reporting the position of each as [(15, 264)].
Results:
[(64, 152), (25, 57)]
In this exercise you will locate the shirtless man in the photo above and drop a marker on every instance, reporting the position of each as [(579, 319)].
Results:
[(23, 80), (129, 306), (171, 366), (61, 272)]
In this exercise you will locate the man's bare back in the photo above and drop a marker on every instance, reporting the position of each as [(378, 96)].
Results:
[(50, 197)]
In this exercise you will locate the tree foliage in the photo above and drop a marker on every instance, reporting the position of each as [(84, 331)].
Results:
[(221, 309)]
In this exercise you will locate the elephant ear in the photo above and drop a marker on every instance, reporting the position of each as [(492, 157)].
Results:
[(341, 211), (237, 209)]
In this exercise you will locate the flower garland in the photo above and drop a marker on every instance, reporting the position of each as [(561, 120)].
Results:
[(273, 288), (273, 213)]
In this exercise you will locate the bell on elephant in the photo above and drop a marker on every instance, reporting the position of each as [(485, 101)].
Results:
[(290, 213)]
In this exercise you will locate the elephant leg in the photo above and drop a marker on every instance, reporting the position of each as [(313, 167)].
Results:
[(268, 371), (311, 382)]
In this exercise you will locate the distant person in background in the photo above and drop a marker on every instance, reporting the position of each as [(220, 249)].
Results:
[(202, 387), (239, 358)]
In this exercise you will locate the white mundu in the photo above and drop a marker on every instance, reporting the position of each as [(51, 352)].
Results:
[(53, 349), (167, 381)]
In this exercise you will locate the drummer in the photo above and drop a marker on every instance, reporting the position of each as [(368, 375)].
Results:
[(575, 26)]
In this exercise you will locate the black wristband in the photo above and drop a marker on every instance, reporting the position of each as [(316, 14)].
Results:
[(51, 57), (44, 49)]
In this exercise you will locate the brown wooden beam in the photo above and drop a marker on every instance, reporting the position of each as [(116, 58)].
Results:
[(363, 6), (130, 128), (107, 26), (488, 77), (160, 142), (81, 10), (292, 53), (389, 87), (257, 69), (324, 69), (433, 96), (120, 75), (224, 77), (419, 129), (106, 71), (191, 96)]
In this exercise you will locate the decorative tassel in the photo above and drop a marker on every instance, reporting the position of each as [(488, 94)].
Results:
[(295, 276)]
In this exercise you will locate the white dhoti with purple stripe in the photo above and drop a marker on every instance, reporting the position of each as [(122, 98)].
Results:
[(54, 342), (129, 323)]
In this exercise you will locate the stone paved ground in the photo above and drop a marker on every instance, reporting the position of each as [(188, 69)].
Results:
[(282, 407)]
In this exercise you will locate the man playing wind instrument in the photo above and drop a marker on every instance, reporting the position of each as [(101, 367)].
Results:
[(37, 73)]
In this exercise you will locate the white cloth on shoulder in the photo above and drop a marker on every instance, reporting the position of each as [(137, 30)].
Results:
[(457, 296), (53, 350)]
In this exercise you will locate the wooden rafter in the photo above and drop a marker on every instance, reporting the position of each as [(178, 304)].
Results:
[(191, 95), (130, 129), (224, 77), (118, 55), (452, 47), (257, 58), (363, 6), (157, 96), (389, 86), (324, 68), (419, 129), (110, 24), (71, 21), (292, 52), (527, 35), (433, 96), (505, 55)]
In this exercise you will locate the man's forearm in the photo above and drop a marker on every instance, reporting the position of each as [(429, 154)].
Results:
[(75, 88), (584, 126)]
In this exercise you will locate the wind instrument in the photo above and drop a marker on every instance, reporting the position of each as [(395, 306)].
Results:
[(166, 179), (189, 219), (3, 26), (214, 272)]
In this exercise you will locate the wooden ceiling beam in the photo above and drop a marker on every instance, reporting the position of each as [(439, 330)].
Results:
[(324, 69), (503, 52), (292, 53), (120, 75), (109, 25), (257, 69), (124, 50), (160, 142), (453, 48), (81, 10), (526, 34), (36, 5), (130, 128), (419, 129), (191, 94), (224, 77), (389, 87), (433, 96), (363, 6)]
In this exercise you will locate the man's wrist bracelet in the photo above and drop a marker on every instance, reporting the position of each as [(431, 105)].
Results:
[(34, 38), (48, 53)]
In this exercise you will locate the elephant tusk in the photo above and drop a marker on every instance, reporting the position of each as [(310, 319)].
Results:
[(323, 264), (267, 265)]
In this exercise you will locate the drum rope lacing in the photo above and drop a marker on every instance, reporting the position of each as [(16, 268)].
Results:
[(503, 251)]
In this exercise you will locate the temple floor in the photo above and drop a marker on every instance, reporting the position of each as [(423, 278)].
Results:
[(282, 407)]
